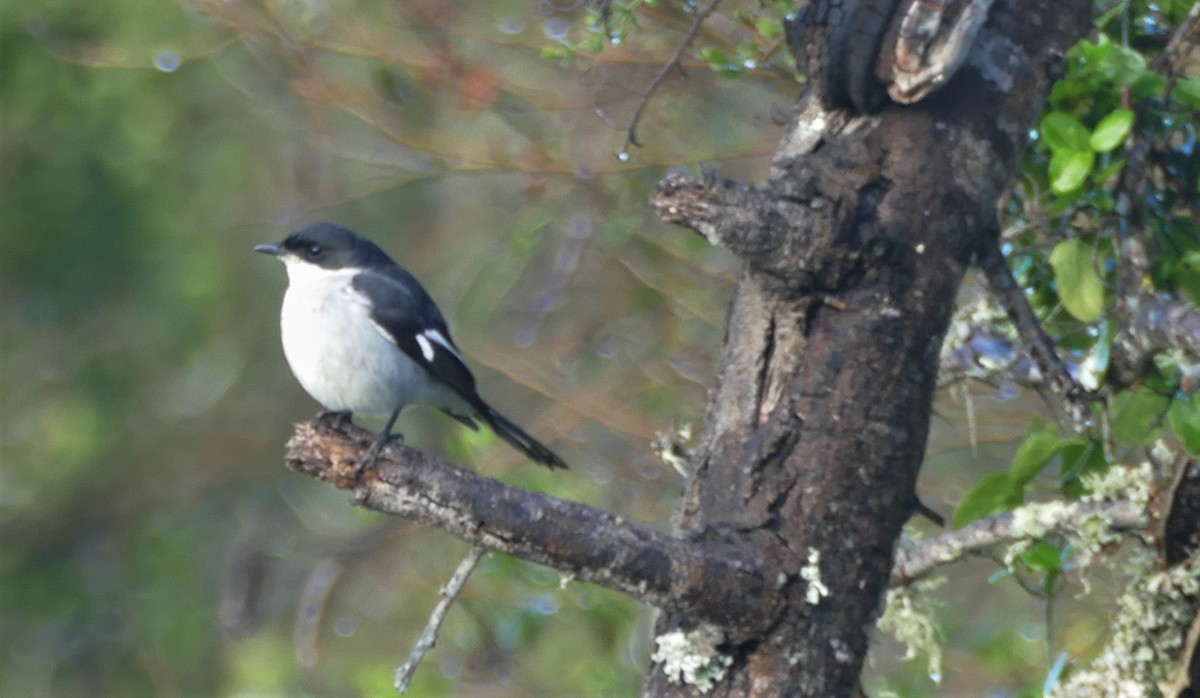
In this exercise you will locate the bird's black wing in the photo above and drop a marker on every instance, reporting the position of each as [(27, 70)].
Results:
[(405, 314)]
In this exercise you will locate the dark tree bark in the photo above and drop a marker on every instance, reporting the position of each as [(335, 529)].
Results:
[(804, 474), (853, 255)]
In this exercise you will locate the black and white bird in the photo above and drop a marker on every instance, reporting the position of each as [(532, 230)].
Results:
[(363, 337)]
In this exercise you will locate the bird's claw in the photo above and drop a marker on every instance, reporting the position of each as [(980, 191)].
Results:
[(381, 442), (336, 419)]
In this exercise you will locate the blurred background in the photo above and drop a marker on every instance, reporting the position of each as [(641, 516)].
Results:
[(151, 540)]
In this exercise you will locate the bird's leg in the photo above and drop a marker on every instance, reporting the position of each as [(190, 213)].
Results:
[(338, 419), (381, 440)]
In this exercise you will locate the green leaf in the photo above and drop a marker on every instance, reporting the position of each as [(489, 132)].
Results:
[(1044, 557), (1069, 169), (1110, 170), (1124, 66), (1061, 131), (1184, 418), (1137, 416), (1079, 460), (1111, 131), (992, 494), (563, 54), (1035, 453), (720, 62), (1079, 286), (769, 27), (1149, 85), (1098, 52), (1187, 92)]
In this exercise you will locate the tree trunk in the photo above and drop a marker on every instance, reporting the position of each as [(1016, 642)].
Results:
[(853, 253)]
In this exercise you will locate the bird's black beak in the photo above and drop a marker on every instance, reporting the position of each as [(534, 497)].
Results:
[(271, 248)]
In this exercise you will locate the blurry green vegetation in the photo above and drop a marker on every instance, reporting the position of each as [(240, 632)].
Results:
[(151, 543), (144, 149)]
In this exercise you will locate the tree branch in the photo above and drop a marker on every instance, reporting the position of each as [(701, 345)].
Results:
[(1061, 391), (790, 240), (705, 579), (1036, 520), (1150, 322), (1156, 322), (986, 354)]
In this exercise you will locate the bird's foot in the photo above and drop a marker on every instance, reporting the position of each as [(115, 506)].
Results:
[(382, 440), (336, 419)]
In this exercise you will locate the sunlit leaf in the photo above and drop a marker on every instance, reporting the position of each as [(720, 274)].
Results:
[(1069, 169), (1061, 131), (1111, 131), (1079, 286)]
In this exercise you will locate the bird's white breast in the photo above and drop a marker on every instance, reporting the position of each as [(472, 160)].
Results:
[(337, 352)]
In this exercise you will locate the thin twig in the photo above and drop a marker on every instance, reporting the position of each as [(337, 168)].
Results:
[(428, 637), (631, 137), (1061, 390)]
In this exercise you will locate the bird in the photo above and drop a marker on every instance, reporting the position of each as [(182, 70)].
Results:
[(363, 337)]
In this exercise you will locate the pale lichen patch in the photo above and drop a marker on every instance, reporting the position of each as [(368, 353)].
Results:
[(1132, 483), (1147, 635), (691, 658), (671, 448), (811, 573), (908, 617)]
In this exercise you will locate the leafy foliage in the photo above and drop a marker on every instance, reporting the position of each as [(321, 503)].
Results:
[(1113, 157)]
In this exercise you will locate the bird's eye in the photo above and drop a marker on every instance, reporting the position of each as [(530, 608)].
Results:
[(314, 251)]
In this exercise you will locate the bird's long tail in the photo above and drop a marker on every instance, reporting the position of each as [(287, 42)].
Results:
[(522, 441)]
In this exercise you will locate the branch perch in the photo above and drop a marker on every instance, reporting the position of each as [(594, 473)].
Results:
[(701, 578)]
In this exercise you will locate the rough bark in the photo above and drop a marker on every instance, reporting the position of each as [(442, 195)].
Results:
[(817, 423), (804, 474), (711, 582)]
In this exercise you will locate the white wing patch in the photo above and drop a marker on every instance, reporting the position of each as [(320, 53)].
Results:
[(383, 332), (426, 347), (441, 340)]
